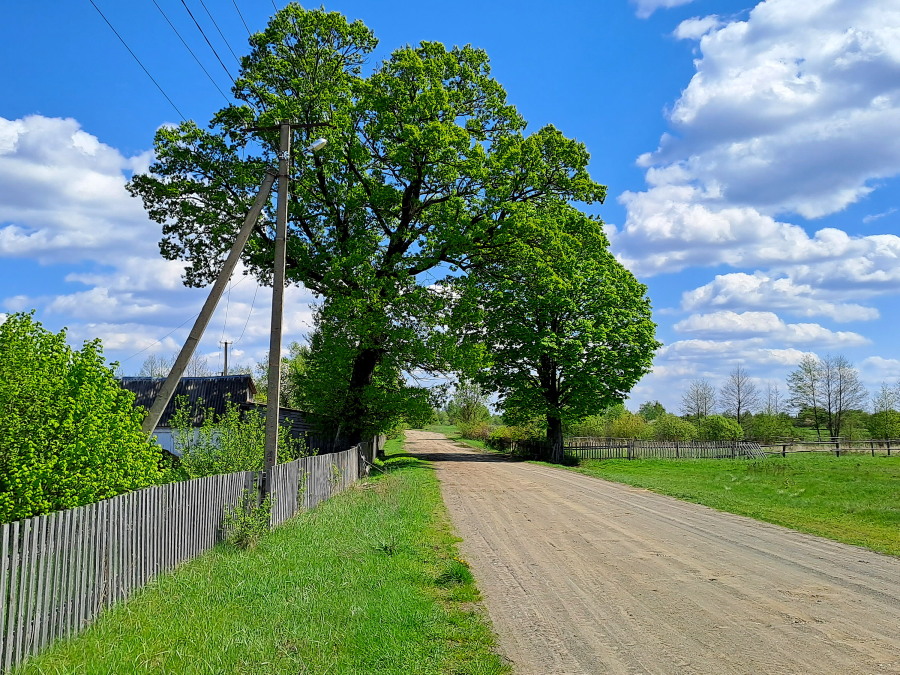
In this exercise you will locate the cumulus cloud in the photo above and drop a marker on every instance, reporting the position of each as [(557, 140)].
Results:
[(769, 326), (63, 201), (795, 110), (740, 291), (62, 195), (646, 7)]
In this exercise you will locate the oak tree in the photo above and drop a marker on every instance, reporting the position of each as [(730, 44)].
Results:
[(564, 329), (425, 162)]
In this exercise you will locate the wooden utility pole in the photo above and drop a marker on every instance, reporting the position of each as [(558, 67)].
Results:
[(187, 351), (273, 390)]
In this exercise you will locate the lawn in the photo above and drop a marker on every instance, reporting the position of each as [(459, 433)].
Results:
[(854, 498), (368, 582)]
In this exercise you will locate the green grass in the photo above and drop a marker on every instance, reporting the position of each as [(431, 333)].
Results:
[(854, 499), (368, 582)]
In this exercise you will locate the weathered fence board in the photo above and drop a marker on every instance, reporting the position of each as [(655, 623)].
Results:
[(58, 571)]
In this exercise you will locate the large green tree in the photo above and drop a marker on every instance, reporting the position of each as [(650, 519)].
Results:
[(425, 162), (564, 328), (69, 434)]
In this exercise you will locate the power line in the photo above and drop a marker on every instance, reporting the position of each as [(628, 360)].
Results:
[(203, 33), (221, 34), (227, 307), (249, 314), (234, 2), (122, 40), (188, 47)]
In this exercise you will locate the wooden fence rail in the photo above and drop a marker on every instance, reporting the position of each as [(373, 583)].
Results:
[(837, 446), (626, 448), (58, 571)]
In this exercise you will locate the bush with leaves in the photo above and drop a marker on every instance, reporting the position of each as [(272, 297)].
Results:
[(668, 427), (69, 434), (232, 441), (719, 428)]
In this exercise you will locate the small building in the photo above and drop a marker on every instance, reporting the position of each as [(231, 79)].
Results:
[(203, 394)]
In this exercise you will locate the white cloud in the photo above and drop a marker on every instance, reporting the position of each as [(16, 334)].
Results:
[(646, 7), (760, 291), (694, 29), (879, 369), (794, 110), (63, 200), (768, 326), (62, 195)]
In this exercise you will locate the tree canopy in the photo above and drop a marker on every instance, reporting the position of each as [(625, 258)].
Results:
[(425, 163), (562, 327), (69, 434)]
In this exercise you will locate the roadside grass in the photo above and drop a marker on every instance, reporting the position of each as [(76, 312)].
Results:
[(368, 582), (854, 499)]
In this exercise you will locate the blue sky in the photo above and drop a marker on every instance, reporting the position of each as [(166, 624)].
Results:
[(751, 150)]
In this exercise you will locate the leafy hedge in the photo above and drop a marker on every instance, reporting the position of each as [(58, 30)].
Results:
[(69, 434)]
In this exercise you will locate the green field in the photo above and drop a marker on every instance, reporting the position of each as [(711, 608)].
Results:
[(854, 498), (368, 582)]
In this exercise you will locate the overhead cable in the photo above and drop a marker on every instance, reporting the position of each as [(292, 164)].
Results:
[(153, 79), (188, 47), (221, 34), (234, 2), (203, 33)]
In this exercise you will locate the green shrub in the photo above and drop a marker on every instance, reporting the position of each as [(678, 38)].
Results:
[(69, 434), (668, 427), (226, 443), (719, 428), (476, 431)]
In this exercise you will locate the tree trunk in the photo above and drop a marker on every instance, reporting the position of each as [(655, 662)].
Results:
[(555, 439), (355, 411)]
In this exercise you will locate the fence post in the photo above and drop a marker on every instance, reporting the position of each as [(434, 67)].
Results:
[(629, 450), (889, 447), (676, 449)]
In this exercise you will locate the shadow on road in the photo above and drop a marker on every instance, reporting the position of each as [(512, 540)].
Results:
[(473, 456)]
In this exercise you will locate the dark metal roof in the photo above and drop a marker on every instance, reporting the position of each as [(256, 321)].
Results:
[(202, 393)]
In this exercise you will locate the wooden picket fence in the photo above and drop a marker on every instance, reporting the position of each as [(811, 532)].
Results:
[(59, 571), (628, 448)]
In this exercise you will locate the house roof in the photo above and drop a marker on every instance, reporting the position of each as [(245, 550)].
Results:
[(202, 393)]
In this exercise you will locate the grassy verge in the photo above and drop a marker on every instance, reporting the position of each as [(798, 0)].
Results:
[(854, 499), (368, 582)]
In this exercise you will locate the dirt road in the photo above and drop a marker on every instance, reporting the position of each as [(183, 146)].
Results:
[(585, 576)]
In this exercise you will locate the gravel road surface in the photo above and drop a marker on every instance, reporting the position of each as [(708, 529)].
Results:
[(582, 575)]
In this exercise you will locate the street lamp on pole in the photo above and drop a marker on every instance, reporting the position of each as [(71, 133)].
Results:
[(273, 390)]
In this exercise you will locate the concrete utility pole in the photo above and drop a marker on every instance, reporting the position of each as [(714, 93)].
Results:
[(273, 389), (174, 377), (225, 366)]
